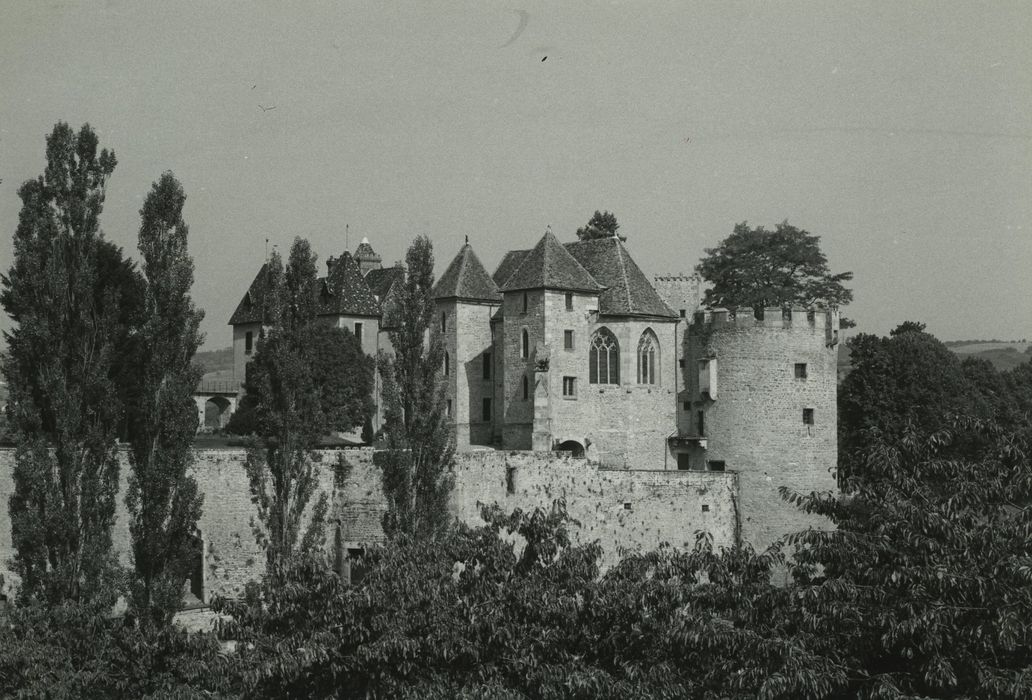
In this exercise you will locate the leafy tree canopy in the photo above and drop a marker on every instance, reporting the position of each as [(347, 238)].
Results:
[(601, 225), (757, 268), (75, 299), (417, 464)]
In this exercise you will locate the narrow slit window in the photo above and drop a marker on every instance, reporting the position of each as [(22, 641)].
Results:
[(569, 301), (486, 414), (487, 365), (526, 388), (567, 340), (248, 342), (525, 345)]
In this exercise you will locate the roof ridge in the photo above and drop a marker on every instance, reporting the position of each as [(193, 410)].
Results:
[(623, 273)]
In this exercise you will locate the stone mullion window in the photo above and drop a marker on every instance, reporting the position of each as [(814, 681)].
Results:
[(603, 358), (648, 356)]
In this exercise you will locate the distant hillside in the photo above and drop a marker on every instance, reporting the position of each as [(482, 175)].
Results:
[(215, 360), (1005, 355)]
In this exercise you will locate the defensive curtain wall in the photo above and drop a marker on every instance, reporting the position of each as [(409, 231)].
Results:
[(622, 509)]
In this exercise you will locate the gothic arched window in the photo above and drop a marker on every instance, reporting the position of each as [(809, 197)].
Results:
[(648, 357), (526, 388), (603, 358)]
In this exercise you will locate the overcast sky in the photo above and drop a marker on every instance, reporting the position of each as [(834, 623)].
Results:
[(900, 133)]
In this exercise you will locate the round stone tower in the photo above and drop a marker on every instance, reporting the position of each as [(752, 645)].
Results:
[(761, 397)]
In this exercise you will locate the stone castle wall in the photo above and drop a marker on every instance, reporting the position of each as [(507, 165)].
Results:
[(755, 422), (621, 509), (465, 384)]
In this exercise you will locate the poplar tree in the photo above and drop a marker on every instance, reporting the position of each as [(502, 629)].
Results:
[(417, 465), (163, 499), (71, 295), (306, 380)]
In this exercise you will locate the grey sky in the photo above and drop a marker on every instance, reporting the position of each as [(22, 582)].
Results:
[(898, 132)]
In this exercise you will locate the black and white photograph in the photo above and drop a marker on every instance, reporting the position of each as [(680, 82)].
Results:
[(450, 349)]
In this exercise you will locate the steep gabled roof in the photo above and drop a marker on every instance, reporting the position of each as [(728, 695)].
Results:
[(249, 310), (550, 266), (628, 292), (508, 266), (343, 291), (466, 278), (382, 279)]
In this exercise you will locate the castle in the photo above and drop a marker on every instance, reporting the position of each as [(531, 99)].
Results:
[(571, 348), (569, 375)]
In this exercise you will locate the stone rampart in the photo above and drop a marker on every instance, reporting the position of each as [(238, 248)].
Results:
[(624, 510)]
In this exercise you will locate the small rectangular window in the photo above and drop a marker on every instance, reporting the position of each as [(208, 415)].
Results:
[(510, 480), (487, 410), (705, 508), (569, 301), (569, 386), (248, 342), (700, 423), (567, 340), (680, 363), (487, 365), (687, 405), (358, 333), (715, 465), (683, 312), (807, 416), (444, 321), (684, 461), (800, 370)]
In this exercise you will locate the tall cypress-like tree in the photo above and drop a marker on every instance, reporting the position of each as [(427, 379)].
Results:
[(306, 380), (71, 295), (163, 499), (417, 465)]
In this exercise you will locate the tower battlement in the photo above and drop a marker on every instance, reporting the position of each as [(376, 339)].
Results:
[(772, 317)]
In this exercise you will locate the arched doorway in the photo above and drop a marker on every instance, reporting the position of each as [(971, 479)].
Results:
[(216, 413), (573, 447)]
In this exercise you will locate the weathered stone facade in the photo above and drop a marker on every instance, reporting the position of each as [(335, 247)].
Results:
[(621, 509), (766, 388)]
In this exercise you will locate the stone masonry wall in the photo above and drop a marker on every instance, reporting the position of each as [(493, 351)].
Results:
[(755, 424), (466, 338), (622, 509)]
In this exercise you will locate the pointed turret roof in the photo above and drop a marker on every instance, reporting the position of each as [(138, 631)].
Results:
[(550, 266), (249, 310), (365, 251), (628, 292), (466, 279), (344, 292)]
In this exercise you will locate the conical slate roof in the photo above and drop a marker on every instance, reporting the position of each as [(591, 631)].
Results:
[(365, 251), (344, 292), (550, 266), (249, 310), (628, 292), (466, 278)]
